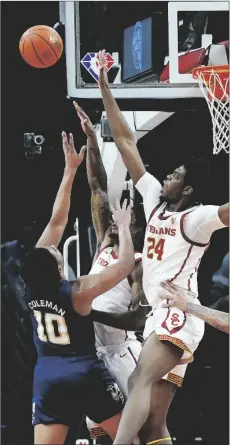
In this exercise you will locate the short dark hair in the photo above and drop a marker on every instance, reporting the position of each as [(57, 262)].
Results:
[(198, 172), (40, 270)]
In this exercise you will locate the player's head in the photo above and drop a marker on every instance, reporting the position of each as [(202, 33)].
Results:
[(42, 269), (187, 181)]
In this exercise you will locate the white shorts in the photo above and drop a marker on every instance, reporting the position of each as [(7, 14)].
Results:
[(121, 361), (183, 330)]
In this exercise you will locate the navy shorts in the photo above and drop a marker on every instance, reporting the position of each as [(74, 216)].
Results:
[(65, 388)]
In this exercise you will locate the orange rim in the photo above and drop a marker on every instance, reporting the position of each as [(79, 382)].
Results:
[(207, 70)]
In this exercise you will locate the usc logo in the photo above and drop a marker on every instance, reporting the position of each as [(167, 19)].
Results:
[(175, 319)]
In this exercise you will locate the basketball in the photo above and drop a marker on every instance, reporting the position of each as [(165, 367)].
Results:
[(41, 46)]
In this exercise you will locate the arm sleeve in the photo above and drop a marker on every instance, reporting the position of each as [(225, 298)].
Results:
[(149, 188), (200, 224)]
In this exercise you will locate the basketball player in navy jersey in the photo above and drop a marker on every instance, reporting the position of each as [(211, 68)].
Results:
[(69, 379), (117, 313), (178, 233)]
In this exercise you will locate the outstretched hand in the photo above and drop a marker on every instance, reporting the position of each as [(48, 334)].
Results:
[(86, 123), (121, 215), (176, 296), (103, 78), (72, 158)]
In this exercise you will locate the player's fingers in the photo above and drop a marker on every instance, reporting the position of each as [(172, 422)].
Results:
[(79, 110), (82, 152), (167, 287), (129, 208), (118, 206), (65, 141), (172, 285), (124, 205), (166, 297), (71, 143)]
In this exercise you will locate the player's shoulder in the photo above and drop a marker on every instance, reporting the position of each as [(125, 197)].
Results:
[(200, 210)]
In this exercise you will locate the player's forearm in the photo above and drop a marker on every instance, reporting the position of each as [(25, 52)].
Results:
[(62, 202), (126, 260), (128, 321), (96, 173), (217, 319), (119, 127)]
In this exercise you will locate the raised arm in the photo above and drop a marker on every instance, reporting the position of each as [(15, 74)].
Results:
[(181, 299), (97, 179), (122, 134), (86, 288), (54, 230), (134, 319)]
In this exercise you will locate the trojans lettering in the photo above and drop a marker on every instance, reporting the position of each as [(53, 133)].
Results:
[(102, 262), (162, 230)]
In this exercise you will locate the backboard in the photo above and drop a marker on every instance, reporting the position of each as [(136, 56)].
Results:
[(154, 45)]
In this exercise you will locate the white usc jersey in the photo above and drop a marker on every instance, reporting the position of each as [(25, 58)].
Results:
[(168, 254), (116, 300)]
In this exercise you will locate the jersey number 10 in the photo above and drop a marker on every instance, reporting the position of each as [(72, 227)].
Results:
[(48, 321)]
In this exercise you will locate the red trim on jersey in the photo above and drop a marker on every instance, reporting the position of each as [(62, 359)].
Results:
[(114, 255), (138, 260), (195, 270), (176, 329), (154, 211), (183, 264), (185, 236)]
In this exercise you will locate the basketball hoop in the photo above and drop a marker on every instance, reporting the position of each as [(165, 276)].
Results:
[(214, 84)]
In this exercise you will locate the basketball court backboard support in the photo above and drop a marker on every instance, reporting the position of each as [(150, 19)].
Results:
[(181, 87)]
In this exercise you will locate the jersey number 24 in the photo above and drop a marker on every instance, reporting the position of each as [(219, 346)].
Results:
[(49, 320), (155, 247)]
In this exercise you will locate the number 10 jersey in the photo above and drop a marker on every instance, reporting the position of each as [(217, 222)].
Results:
[(57, 329)]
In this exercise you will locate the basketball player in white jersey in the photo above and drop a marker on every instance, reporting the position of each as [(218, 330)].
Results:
[(178, 233), (117, 313)]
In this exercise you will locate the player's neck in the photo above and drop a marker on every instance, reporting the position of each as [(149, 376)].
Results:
[(179, 206)]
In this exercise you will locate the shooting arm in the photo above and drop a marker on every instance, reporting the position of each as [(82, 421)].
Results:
[(54, 230), (217, 319), (122, 134), (97, 179)]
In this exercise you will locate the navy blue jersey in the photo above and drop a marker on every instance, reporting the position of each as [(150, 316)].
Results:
[(58, 329)]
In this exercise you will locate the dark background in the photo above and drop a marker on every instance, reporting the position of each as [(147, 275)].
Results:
[(34, 100)]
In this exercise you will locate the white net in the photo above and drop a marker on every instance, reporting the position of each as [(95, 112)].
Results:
[(216, 92)]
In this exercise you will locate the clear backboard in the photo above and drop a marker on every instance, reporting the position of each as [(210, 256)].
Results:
[(155, 46)]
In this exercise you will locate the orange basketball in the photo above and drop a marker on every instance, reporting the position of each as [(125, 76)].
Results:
[(41, 46)]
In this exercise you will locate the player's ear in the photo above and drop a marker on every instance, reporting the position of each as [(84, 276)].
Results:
[(188, 190)]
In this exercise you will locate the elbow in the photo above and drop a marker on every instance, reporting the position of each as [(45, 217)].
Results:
[(81, 308)]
